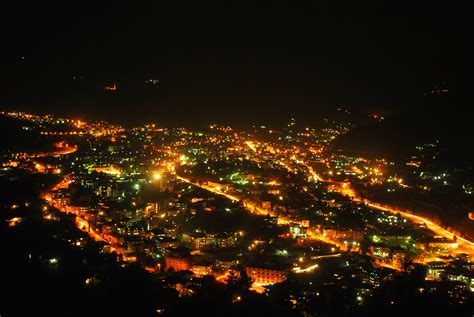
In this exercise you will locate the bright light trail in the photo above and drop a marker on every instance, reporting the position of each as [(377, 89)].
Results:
[(306, 270)]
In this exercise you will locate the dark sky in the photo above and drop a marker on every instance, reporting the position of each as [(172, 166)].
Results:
[(225, 61)]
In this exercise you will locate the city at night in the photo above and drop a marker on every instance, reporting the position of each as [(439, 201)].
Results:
[(270, 158)]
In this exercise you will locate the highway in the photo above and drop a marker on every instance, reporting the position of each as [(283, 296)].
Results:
[(61, 149), (345, 189), (81, 223), (429, 224), (252, 207), (464, 244)]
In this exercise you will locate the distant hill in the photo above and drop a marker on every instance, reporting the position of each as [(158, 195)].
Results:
[(18, 136), (396, 137)]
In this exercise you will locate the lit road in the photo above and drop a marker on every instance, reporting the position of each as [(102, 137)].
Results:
[(81, 223), (62, 149), (466, 245), (326, 256), (320, 237), (345, 189), (251, 146), (307, 269), (429, 224), (86, 227), (209, 188), (252, 207)]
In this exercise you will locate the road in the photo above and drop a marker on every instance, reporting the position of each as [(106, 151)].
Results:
[(252, 207), (464, 244), (81, 222), (345, 189), (61, 149), (469, 245)]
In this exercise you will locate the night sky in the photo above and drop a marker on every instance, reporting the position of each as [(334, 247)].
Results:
[(227, 61)]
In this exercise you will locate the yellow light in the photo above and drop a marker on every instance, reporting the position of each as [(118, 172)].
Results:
[(157, 176)]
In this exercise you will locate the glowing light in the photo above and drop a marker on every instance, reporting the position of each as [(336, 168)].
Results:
[(157, 176), (306, 270), (53, 260), (110, 170), (251, 145)]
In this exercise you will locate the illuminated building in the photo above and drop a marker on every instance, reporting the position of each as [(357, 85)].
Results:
[(344, 234), (201, 269), (265, 276), (381, 255), (463, 276), (398, 258), (393, 257), (177, 263), (199, 240), (169, 242), (435, 269), (267, 205), (226, 240), (298, 231), (225, 262)]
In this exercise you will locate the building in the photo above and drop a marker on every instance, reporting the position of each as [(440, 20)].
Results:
[(226, 240), (462, 276), (297, 231), (201, 268), (435, 269), (344, 234), (381, 255), (386, 256), (398, 258), (199, 240), (267, 205), (177, 263), (266, 276)]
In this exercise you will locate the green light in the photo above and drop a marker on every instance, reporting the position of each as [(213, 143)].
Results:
[(375, 238)]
